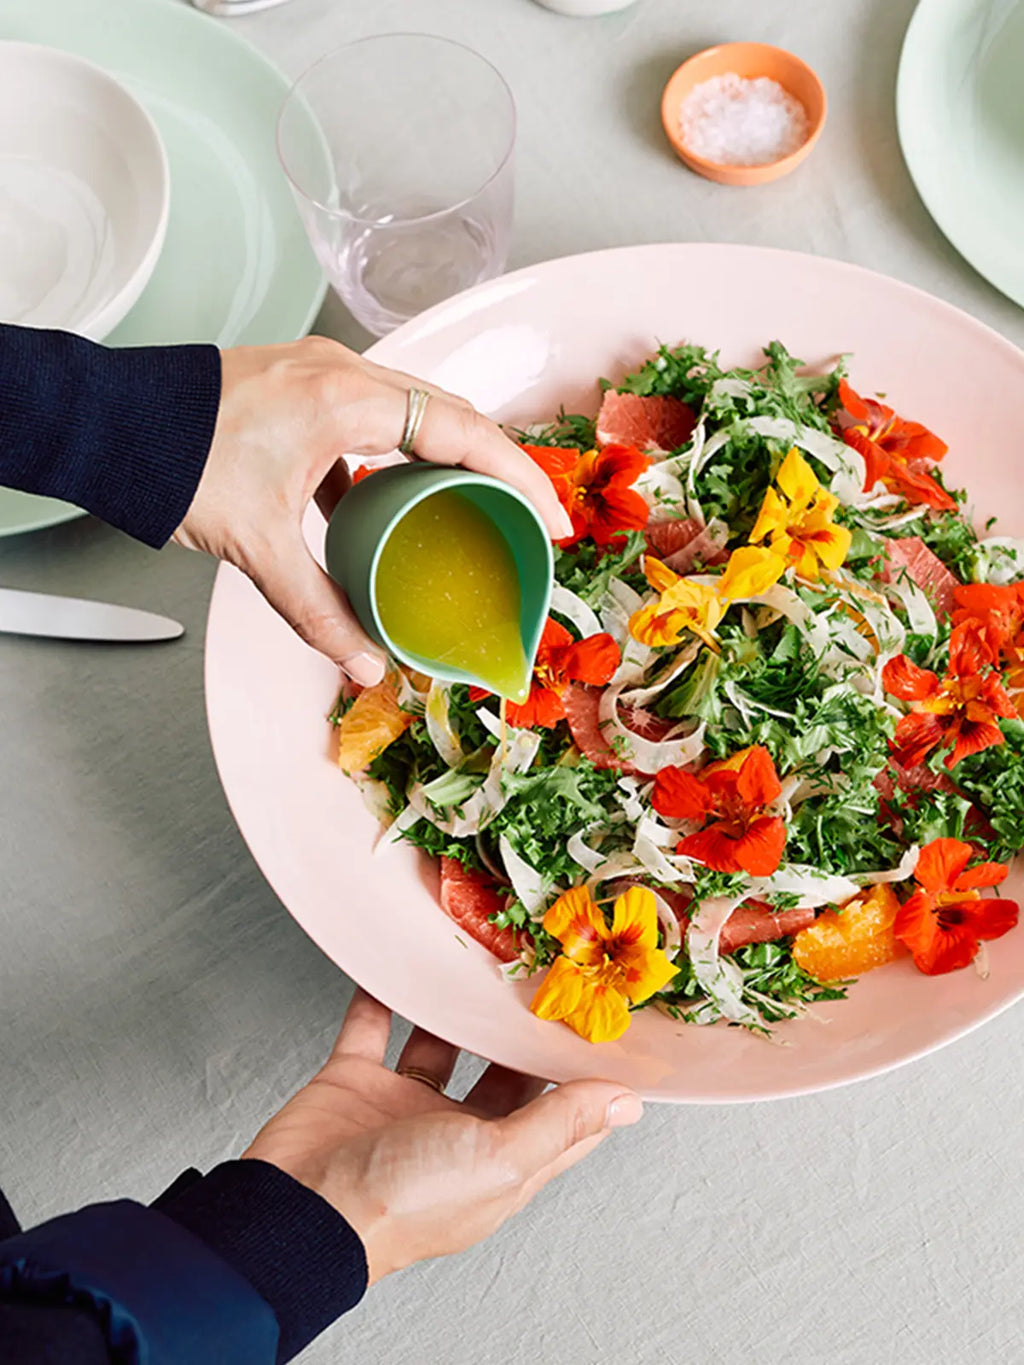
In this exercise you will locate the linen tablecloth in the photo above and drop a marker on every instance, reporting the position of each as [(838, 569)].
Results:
[(158, 1003)]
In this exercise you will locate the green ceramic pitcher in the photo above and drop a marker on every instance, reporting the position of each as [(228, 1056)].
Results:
[(369, 512)]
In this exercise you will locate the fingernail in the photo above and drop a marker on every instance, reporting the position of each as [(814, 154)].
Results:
[(365, 669), (563, 526), (624, 1110)]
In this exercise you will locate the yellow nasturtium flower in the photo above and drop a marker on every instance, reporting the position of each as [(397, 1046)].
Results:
[(749, 572), (602, 970), (796, 520), (683, 605)]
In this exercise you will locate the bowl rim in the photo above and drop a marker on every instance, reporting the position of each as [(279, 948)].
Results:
[(703, 164), (109, 311)]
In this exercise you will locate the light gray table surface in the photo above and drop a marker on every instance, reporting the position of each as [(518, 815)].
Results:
[(158, 1003)]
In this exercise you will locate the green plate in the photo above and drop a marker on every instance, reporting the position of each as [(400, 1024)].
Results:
[(960, 108), (236, 268)]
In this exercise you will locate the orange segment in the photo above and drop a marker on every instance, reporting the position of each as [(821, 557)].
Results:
[(370, 724), (853, 940)]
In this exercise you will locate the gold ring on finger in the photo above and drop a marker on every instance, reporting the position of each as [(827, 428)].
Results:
[(415, 1073), (416, 407)]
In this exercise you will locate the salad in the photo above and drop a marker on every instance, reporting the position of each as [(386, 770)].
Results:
[(774, 734)]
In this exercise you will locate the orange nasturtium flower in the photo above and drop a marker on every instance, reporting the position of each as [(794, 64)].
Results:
[(560, 660), (687, 605), (596, 488), (602, 970), (943, 922), (796, 520), (997, 613), (730, 800), (961, 709), (895, 452)]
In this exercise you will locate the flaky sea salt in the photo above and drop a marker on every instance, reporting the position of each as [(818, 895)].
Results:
[(741, 122)]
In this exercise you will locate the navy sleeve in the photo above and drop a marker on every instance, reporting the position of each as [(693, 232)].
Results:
[(123, 433), (241, 1267)]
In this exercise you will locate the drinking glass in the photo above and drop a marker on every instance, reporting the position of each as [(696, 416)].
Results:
[(399, 151)]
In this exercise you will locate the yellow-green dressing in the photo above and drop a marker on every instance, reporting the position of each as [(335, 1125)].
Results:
[(447, 590)]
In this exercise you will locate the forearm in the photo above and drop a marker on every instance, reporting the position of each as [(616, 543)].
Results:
[(241, 1266), (122, 433)]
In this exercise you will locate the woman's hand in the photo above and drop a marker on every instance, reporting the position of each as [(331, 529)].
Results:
[(287, 414), (417, 1174)]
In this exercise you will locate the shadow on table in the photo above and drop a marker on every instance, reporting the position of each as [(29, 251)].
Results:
[(640, 94)]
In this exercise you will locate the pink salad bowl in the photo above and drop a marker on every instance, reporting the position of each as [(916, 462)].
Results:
[(519, 347)]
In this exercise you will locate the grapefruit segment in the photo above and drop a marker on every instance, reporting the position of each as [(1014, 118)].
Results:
[(926, 569), (651, 423), (470, 897)]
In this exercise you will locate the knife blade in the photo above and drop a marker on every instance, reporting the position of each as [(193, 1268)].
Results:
[(75, 618)]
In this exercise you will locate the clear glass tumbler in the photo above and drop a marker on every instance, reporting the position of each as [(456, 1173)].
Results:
[(399, 150)]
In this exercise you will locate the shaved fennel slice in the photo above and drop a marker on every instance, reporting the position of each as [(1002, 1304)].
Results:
[(618, 605), (520, 745), (794, 790), (376, 798), (574, 609), (722, 981), (681, 661), (704, 450), (405, 820), (746, 706), (629, 798), (919, 610), (622, 594), (887, 628), (531, 888), (903, 870), (672, 937), (729, 386), (850, 641), (788, 604), (813, 887), (439, 726), (998, 560), (620, 864), (663, 867), (664, 836), (518, 968), (645, 754), (635, 661), (661, 488), (834, 454), (580, 851), (520, 750), (492, 723), (488, 799), (408, 695), (483, 853)]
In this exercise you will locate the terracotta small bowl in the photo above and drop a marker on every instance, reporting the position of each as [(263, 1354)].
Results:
[(747, 60)]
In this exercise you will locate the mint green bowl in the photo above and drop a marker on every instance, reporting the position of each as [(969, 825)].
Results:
[(369, 512)]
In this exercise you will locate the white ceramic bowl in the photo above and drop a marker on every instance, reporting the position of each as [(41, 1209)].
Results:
[(84, 193)]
